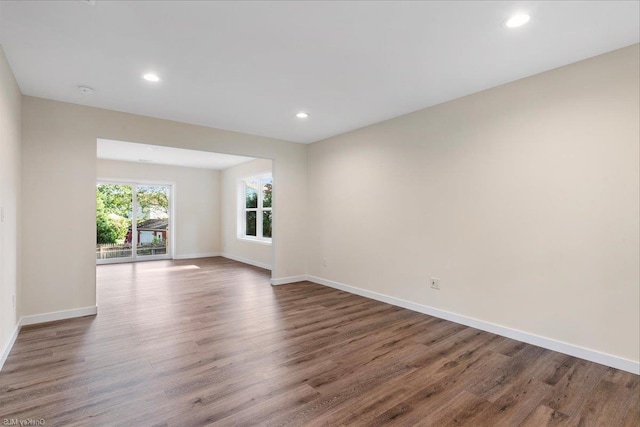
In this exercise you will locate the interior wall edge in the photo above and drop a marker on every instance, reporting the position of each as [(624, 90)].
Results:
[(58, 315), (193, 256), (9, 345), (44, 318), (246, 261), (529, 338), (288, 280)]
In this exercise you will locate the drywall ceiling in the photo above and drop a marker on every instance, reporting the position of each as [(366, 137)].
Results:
[(251, 66), (162, 155)]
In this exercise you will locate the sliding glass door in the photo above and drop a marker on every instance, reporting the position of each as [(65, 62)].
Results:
[(132, 222), (152, 221), (114, 213)]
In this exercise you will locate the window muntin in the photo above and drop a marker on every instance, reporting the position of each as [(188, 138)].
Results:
[(256, 216)]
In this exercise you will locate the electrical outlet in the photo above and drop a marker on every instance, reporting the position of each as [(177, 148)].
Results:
[(435, 283), (13, 301), (324, 262), (1, 214)]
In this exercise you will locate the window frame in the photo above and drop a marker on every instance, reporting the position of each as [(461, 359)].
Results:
[(260, 209), (135, 183)]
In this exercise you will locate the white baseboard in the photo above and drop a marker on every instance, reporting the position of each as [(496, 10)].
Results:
[(202, 255), (548, 343), (9, 346), (286, 280), (42, 318), (58, 315), (246, 261)]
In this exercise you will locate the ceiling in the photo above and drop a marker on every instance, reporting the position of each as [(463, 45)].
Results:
[(251, 66), (162, 155)]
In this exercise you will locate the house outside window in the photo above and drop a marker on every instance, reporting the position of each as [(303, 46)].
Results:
[(256, 214)]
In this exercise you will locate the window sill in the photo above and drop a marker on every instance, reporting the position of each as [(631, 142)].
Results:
[(266, 242)]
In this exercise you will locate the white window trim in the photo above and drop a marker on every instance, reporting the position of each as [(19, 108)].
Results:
[(242, 218)]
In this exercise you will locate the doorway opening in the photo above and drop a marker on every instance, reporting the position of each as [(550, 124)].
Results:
[(204, 203), (133, 221)]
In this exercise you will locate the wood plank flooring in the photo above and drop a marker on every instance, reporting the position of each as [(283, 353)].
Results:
[(210, 342)]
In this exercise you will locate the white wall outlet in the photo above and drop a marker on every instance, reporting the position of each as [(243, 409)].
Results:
[(435, 283), (324, 262), (13, 301), (1, 214)]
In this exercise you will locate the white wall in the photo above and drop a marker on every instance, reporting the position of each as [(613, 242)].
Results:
[(196, 200), (59, 170), (523, 199), (232, 247), (10, 127)]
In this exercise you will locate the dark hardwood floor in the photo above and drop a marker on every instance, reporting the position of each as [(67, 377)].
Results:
[(209, 341)]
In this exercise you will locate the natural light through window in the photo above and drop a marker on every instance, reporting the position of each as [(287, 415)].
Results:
[(256, 216)]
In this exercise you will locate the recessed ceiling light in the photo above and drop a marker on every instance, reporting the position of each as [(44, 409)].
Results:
[(151, 77), (517, 20), (86, 89), (302, 115)]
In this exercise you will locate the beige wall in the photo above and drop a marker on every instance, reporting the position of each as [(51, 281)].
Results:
[(59, 170), (232, 247), (196, 200), (10, 127), (523, 199)]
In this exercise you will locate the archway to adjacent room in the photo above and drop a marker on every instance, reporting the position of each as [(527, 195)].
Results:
[(159, 202)]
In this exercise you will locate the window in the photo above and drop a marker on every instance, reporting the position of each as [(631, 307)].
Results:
[(132, 221), (256, 215)]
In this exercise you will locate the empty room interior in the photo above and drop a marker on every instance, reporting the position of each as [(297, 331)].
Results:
[(316, 213)]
